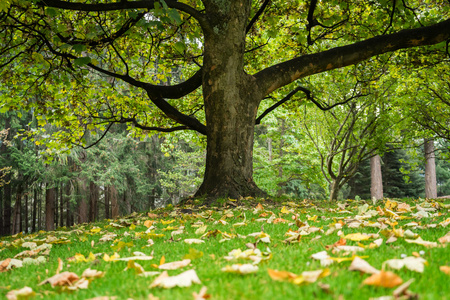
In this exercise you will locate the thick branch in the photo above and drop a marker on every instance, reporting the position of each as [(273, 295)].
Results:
[(284, 73), (123, 5)]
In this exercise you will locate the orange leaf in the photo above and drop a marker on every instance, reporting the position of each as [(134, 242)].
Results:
[(384, 279), (259, 206), (281, 275), (162, 260), (445, 269), (4, 265)]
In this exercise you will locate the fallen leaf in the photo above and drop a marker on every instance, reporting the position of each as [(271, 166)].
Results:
[(412, 263), (132, 265), (4, 265), (445, 269), (281, 275), (384, 279), (193, 241), (202, 294), (90, 273), (357, 237), (420, 241), (401, 290), (175, 265), (359, 264), (62, 279), (445, 239), (184, 279), (241, 269), (60, 266), (24, 293)]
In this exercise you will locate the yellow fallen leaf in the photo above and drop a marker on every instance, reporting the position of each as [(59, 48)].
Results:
[(384, 279), (90, 273), (357, 237), (113, 257), (202, 295), (167, 222), (281, 275), (137, 268)]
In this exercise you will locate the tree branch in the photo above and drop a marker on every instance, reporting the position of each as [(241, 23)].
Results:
[(286, 72), (257, 15)]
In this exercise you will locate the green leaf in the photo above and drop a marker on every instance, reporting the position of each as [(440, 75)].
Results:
[(180, 47), (175, 16), (50, 12), (81, 61)]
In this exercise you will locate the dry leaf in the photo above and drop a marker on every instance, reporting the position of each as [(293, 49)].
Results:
[(412, 263), (184, 279), (23, 293), (89, 273), (202, 294), (420, 241), (193, 241), (359, 264), (60, 266), (445, 269), (64, 278), (357, 237), (241, 269), (175, 265), (131, 265), (401, 290), (383, 279), (4, 265), (445, 239), (281, 275)]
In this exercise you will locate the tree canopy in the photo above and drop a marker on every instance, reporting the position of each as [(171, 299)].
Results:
[(85, 65)]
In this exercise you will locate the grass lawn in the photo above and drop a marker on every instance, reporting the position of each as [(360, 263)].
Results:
[(274, 242)]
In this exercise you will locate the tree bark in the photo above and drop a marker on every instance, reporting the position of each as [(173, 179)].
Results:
[(113, 196), (35, 200), (61, 205), (231, 99), (93, 200), (376, 187), (17, 212), (334, 189), (83, 209), (50, 196), (430, 170), (106, 195)]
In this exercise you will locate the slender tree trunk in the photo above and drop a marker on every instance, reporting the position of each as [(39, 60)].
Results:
[(50, 196), (93, 200), (106, 195), (39, 220), (17, 212), (231, 100), (7, 206), (68, 209), (269, 148), (113, 196), (56, 207), (376, 188), (334, 189), (127, 202), (25, 214), (430, 170), (61, 205)]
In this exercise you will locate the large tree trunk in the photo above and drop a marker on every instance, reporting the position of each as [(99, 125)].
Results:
[(83, 209), (231, 100), (376, 188), (50, 196), (17, 212), (430, 170)]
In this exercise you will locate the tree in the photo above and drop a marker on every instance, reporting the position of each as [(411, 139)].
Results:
[(72, 53), (430, 169), (376, 187)]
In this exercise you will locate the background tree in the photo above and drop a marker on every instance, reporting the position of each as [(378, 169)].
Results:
[(74, 53)]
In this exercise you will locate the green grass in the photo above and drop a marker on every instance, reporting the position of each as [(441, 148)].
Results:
[(294, 257)]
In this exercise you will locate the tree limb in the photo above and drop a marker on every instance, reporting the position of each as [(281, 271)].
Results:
[(286, 72)]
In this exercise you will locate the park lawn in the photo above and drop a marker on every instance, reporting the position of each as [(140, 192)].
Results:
[(287, 234)]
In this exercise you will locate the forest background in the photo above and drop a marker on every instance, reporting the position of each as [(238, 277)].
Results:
[(67, 157)]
